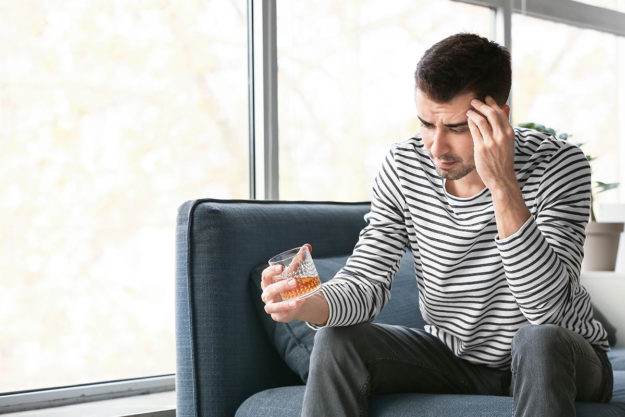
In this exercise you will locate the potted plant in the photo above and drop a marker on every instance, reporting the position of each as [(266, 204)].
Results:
[(602, 238)]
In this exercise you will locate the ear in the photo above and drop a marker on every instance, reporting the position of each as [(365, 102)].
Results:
[(506, 108)]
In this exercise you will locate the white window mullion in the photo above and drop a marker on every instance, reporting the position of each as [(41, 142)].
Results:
[(503, 23), (265, 99), (503, 17)]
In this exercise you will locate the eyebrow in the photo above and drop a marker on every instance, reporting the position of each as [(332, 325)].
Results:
[(449, 125)]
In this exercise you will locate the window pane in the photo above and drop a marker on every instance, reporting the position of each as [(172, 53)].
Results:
[(113, 114), (572, 80), (346, 86)]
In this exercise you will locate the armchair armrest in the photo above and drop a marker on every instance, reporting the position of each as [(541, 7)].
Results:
[(223, 356)]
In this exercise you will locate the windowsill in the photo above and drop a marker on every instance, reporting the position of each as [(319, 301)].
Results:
[(161, 404)]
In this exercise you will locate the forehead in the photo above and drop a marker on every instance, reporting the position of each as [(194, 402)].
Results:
[(458, 106)]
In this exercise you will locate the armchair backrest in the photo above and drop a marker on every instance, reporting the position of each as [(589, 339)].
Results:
[(223, 356)]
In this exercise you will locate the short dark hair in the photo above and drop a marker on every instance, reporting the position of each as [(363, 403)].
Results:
[(464, 63)]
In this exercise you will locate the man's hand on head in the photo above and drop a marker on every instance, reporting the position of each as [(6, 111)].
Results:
[(493, 152), (493, 143)]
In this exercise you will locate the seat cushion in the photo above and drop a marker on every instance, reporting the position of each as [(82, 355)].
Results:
[(294, 341), (286, 401)]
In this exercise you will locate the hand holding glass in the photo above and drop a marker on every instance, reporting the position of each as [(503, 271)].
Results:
[(297, 264)]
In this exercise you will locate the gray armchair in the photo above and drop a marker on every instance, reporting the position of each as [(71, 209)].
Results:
[(232, 361)]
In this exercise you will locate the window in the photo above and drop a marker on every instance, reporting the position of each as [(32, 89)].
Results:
[(572, 80), (113, 114), (346, 86)]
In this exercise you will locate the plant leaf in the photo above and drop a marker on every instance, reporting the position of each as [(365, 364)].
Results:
[(603, 186), (598, 186)]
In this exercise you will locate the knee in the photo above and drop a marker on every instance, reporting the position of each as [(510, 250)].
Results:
[(539, 340), (336, 338), (338, 342), (326, 340)]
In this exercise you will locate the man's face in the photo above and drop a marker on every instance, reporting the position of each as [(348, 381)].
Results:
[(446, 135)]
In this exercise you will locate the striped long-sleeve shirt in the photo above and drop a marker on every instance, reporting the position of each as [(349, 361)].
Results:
[(475, 290)]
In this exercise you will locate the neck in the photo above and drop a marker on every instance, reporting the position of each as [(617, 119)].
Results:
[(467, 186)]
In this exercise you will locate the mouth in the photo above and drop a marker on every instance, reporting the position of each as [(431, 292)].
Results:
[(442, 164)]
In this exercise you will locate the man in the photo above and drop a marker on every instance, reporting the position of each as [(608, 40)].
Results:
[(495, 219)]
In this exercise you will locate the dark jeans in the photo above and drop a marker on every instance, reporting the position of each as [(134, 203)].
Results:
[(551, 368)]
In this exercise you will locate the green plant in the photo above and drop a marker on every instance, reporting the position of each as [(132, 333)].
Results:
[(598, 186)]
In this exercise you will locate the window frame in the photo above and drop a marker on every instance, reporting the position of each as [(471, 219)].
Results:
[(569, 12), (75, 394)]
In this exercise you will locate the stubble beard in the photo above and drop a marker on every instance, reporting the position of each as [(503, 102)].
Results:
[(455, 172)]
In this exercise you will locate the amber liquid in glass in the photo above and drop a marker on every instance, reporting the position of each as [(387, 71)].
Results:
[(304, 285)]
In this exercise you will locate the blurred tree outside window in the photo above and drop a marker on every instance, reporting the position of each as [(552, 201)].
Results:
[(572, 80), (113, 113), (346, 86)]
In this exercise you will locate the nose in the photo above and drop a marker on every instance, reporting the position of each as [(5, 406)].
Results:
[(440, 145)]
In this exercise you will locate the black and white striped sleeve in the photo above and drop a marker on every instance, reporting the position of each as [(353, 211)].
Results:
[(361, 288), (542, 260)]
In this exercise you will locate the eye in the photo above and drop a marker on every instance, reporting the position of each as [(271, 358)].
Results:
[(426, 125), (458, 130)]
